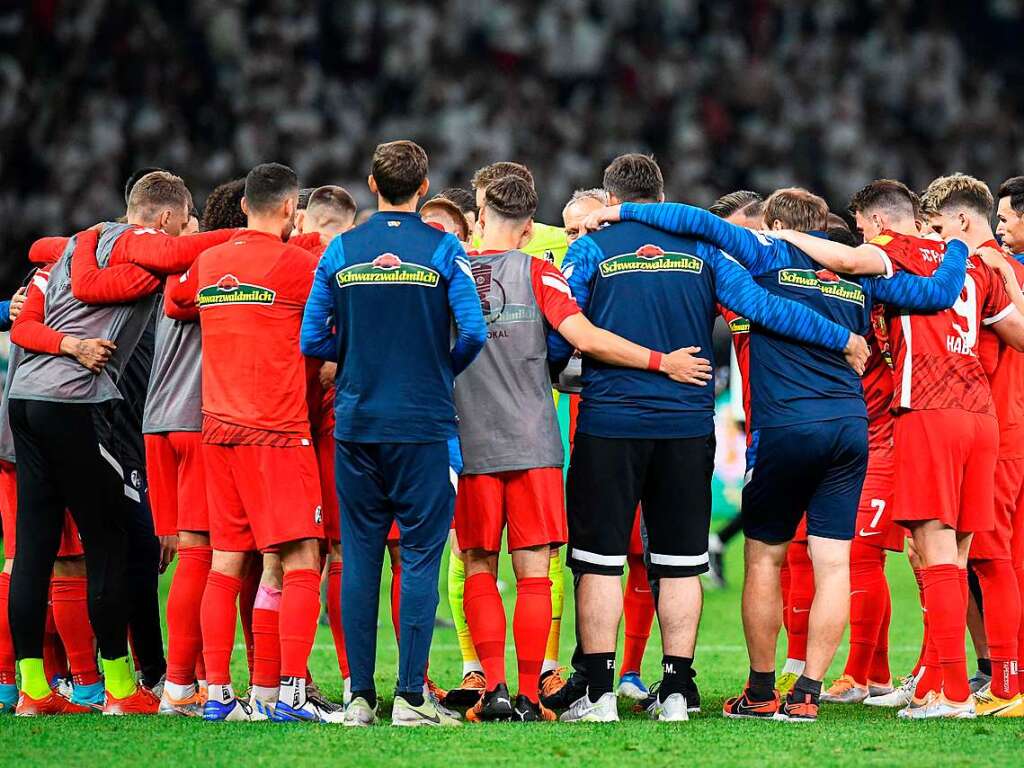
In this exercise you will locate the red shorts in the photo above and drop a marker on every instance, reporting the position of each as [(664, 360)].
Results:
[(177, 482), (531, 502), (997, 544), (945, 467), (328, 493), (636, 542), (262, 495), (875, 526), (70, 540)]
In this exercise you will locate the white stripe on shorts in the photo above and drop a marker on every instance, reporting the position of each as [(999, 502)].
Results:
[(453, 477), (592, 557), (111, 460), (679, 560)]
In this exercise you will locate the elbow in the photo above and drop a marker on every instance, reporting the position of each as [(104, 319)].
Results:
[(478, 336)]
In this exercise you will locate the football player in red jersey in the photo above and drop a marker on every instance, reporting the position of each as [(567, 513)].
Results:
[(944, 411), (990, 553)]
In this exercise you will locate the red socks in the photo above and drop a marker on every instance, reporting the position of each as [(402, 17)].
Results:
[(485, 617), (947, 615), (71, 617), (999, 588), (785, 581), (184, 636), (246, 599), (879, 671), (638, 612), (530, 627), (300, 610), (396, 597), (801, 594), (266, 638), (6, 642), (217, 619), (55, 661), (334, 616), (868, 590)]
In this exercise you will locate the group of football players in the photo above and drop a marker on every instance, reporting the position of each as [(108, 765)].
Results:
[(277, 392)]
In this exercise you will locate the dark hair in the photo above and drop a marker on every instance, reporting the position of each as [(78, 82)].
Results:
[(223, 209), (304, 194), (461, 197), (333, 197), (489, 174), (887, 194), (1013, 188), (797, 209), (398, 168), (743, 200), (842, 235), (158, 190), (134, 178), (511, 197), (634, 178), (268, 185)]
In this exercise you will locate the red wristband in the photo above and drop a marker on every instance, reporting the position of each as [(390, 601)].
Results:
[(654, 361)]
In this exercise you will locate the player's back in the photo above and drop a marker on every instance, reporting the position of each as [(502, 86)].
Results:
[(656, 289), (252, 290), (1005, 370), (390, 295), (792, 382), (935, 355)]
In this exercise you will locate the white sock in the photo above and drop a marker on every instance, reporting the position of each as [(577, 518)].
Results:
[(221, 693), (178, 691), (714, 543), (346, 696), (201, 685), (795, 666), (549, 665), (264, 693), (293, 691), (471, 666)]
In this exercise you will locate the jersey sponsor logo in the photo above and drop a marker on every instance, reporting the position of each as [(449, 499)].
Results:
[(387, 269), (495, 305), (650, 258), (739, 325), (827, 282), (230, 290)]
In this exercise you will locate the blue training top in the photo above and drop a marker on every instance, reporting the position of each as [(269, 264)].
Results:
[(661, 290), (791, 382), (381, 305)]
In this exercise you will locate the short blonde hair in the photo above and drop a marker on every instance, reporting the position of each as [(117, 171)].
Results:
[(797, 209), (958, 190), (156, 191)]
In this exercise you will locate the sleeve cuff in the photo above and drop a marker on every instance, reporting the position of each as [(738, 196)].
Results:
[(889, 270), (1001, 315)]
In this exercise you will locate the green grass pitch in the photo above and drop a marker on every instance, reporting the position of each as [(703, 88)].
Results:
[(843, 736)]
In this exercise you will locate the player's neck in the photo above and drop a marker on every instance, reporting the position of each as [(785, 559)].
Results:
[(906, 226), (409, 206), (977, 235), (269, 226), (499, 241)]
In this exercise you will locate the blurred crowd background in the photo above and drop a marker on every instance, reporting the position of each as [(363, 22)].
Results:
[(753, 94)]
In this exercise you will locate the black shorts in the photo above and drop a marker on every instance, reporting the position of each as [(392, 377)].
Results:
[(670, 479), (817, 467)]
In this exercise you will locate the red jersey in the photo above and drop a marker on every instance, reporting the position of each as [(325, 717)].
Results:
[(250, 293), (1005, 369), (878, 383), (739, 327), (935, 356)]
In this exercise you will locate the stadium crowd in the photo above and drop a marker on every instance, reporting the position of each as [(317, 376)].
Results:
[(729, 95)]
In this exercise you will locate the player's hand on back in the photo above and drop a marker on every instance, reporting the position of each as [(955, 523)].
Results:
[(597, 219), (327, 373), (93, 354), (17, 302), (856, 353), (683, 366)]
